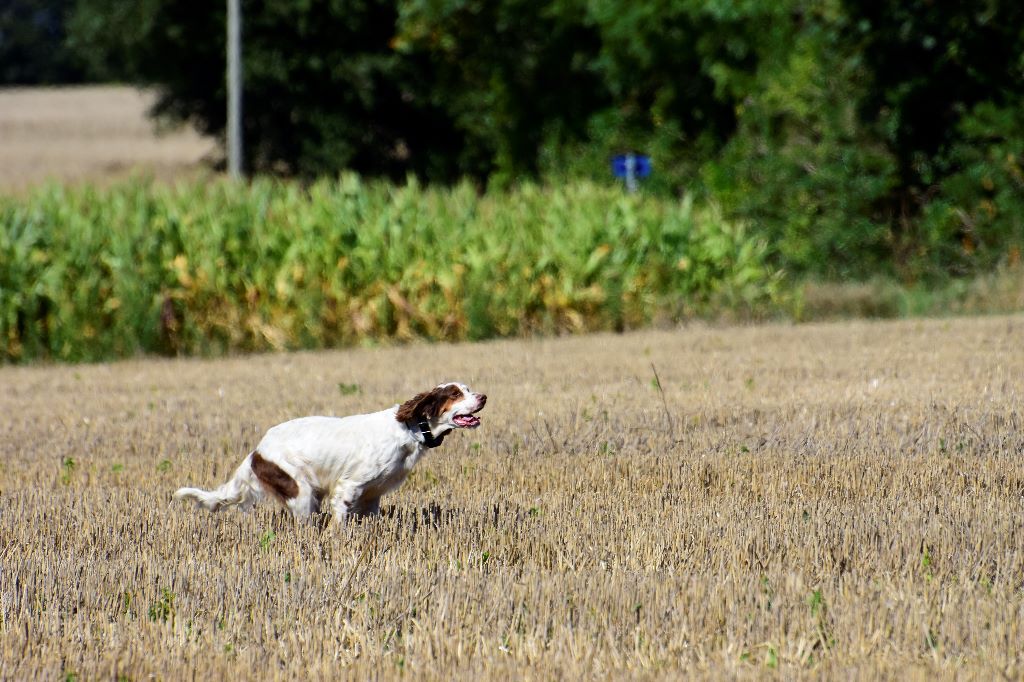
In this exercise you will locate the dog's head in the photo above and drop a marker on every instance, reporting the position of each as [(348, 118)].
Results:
[(448, 406)]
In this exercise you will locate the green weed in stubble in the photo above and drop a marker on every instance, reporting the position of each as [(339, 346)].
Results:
[(824, 639), (266, 539), (931, 640), (422, 479), (926, 562), (126, 604), (163, 608), (67, 465), (348, 389), (816, 602)]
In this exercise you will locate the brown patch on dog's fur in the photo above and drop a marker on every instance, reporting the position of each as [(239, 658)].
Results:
[(431, 404), (274, 478)]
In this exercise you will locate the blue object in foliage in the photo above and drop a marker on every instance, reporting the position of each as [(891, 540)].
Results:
[(641, 165)]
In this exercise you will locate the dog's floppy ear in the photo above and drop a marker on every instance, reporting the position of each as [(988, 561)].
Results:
[(427, 404)]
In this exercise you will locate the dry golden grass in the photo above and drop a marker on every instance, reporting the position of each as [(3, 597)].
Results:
[(998, 292), (836, 500), (94, 133)]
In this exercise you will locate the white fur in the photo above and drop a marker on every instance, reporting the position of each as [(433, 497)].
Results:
[(349, 461)]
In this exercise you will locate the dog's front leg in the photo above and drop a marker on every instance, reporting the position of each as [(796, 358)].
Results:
[(370, 507), (344, 500)]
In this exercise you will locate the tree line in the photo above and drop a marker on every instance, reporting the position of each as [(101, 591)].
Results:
[(862, 137)]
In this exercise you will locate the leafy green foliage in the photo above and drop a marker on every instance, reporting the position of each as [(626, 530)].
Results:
[(674, 75), (930, 65), (859, 139), (939, 73), (873, 138), (977, 218), (804, 167), (208, 268), (507, 75)]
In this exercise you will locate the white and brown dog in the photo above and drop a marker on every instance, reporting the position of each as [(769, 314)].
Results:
[(350, 461)]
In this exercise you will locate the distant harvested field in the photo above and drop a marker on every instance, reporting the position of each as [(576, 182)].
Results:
[(839, 500), (94, 133)]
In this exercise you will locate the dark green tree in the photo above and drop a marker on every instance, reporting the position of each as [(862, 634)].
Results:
[(325, 87), (858, 140), (32, 49), (508, 75), (932, 65)]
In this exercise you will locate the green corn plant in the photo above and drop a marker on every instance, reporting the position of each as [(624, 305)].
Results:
[(208, 268)]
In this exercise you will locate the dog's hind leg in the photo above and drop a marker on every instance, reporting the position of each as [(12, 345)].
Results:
[(305, 503), (291, 490)]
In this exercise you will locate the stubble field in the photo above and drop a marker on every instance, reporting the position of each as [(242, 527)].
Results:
[(96, 133), (838, 500)]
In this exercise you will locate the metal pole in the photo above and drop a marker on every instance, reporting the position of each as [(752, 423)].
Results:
[(631, 173), (234, 90)]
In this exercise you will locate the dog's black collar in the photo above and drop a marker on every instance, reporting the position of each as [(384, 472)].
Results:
[(429, 439)]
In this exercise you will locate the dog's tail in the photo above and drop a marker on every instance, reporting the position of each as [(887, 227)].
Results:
[(239, 491)]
